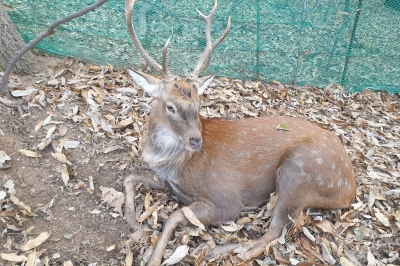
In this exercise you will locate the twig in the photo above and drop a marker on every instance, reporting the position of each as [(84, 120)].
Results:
[(32, 44), (18, 106)]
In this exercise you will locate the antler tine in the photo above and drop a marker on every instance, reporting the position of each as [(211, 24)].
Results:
[(210, 46), (164, 58), (160, 69)]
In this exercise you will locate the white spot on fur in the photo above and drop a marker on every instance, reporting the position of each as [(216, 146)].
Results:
[(298, 162), (314, 152), (319, 160), (319, 180), (330, 185), (345, 183), (323, 145), (339, 182), (333, 166), (309, 177)]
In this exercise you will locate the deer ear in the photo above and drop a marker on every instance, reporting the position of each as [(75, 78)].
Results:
[(147, 82), (204, 82)]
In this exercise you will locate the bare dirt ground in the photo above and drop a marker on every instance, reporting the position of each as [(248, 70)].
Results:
[(83, 134)]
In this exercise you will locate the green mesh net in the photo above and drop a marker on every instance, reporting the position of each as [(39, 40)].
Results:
[(351, 42)]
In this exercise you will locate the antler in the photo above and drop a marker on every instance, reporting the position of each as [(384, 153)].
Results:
[(206, 56), (162, 70)]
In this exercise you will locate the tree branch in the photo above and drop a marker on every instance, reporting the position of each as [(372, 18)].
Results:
[(48, 32)]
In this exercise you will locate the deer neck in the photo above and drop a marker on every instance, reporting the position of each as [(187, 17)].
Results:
[(164, 151)]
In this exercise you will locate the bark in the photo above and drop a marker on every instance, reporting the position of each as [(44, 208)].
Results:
[(10, 43)]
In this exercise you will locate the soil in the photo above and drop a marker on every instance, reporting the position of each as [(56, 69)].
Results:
[(37, 182)]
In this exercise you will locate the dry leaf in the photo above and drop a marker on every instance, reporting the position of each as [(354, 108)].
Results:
[(33, 243), (281, 238), (147, 201), (123, 123), (148, 212), (3, 158), (62, 131), (129, 256), (79, 184), (371, 259), (272, 243), (327, 255), (382, 218), (308, 234), (31, 258), (243, 221), (44, 144), (46, 121), (21, 93), (29, 153), (50, 132), (310, 248), (13, 257), (110, 248), (358, 204), (178, 255), (346, 262), (113, 198), (372, 196), (300, 221), (70, 144), (189, 214), (272, 201), (25, 208), (327, 227), (68, 263), (113, 148), (59, 156), (231, 228), (65, 174)]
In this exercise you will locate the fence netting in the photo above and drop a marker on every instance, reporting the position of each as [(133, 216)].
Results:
[(350, 42)]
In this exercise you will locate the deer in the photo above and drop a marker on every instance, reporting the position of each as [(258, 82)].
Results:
[(217, 167)]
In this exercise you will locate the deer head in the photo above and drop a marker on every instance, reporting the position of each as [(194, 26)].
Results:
[(177, 106)]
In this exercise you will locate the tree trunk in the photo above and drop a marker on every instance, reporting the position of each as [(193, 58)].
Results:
[(11, 43)]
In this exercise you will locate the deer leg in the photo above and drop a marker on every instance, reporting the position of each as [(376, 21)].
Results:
[(279, 220), (175, 219), (205, 211), (130, 182), (292, 190), (290, 203)]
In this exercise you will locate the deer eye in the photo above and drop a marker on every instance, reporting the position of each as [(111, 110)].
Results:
[(170, 108)]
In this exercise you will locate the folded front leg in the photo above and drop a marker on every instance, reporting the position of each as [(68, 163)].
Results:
[(130, 182), (205, 211)]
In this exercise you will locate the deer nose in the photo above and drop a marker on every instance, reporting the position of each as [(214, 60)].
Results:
[(195, 143)]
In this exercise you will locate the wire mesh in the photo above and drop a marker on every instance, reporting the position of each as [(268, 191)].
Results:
[(350, 42)]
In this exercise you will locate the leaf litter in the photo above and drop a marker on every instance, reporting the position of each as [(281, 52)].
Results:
[(109, 111)]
